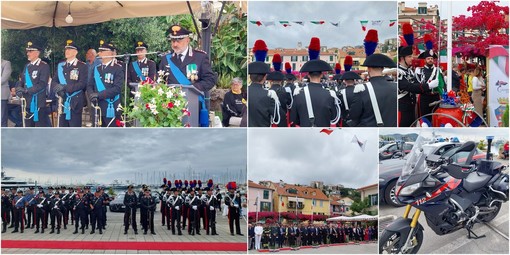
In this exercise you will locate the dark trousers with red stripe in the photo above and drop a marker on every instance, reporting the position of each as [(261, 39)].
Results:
[(168, 216), (19, 218), (185, 212), (56, 215), (233, 217), (39, 218), (210, 220), (164, 214), (194, 221), (176, 217), (6, 217)]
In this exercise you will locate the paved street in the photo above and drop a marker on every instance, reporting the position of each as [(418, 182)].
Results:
[(457, 242), (115, 233)]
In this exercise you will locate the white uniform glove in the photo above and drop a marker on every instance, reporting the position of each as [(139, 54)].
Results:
[(40, 206), (236, 205), (176, 208), (211, 208), (433, 83), (63, 202), (195, 207)]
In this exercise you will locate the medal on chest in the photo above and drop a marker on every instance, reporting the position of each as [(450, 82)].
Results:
[(191, 72)]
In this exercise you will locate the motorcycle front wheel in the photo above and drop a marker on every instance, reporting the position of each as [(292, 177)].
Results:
[(492, 215), (389, 242)]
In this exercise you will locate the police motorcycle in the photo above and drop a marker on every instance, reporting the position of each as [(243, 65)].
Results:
[(454, 193)]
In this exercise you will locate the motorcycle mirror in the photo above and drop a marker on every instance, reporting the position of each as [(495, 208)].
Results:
[(467, 146)]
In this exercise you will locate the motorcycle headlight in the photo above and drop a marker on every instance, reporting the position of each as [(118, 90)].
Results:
[(408, 190)]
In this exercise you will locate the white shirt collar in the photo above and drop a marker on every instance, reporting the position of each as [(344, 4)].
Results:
[(109, 63), (36, 62), (72, 62), (144, 60)]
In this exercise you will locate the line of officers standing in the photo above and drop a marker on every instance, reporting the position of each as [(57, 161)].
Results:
[(56, 208)]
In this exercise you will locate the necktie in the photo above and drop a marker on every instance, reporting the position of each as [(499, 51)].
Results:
[(179, 59)]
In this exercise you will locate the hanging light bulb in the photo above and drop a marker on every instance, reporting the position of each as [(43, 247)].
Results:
[(69, 18)]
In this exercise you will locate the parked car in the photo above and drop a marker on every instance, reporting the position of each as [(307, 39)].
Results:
[(390, 170), (393, 150), (117, 204)]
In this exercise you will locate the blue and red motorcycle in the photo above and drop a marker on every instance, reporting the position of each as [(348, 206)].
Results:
[(454, 193)]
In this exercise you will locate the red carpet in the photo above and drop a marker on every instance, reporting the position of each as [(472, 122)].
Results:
[(90, 245)]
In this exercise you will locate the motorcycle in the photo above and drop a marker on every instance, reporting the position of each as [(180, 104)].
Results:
[(453, 192)]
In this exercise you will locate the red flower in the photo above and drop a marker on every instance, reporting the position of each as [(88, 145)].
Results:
[(119, 123), (187, 125), (170, 105), (147, 106), (185, 111)]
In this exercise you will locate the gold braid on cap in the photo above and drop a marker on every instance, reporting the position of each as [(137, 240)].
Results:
[(69, 42), (176, 29)]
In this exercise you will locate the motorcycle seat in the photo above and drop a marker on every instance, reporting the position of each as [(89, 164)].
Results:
[(475, 180)]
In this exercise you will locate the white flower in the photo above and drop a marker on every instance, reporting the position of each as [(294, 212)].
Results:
[(155, 112), (135, 108), (182, 93), (177, 103), (169, 94), (153, 100), (160, 80), (161, 72), (119, 108), (167, 73), (160, 91), (137, 94)]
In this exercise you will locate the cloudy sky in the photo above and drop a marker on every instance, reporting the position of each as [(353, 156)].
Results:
[(349, 14), (303, 155), (464, 134), (84, 155)]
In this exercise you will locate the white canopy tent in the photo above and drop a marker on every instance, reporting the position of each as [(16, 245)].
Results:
[(362, 217), (32, 14)]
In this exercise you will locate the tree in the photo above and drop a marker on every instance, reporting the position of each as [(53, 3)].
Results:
[(360, 206), (486, 26)]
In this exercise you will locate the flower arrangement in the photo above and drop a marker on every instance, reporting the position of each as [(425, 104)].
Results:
[(156, 104)]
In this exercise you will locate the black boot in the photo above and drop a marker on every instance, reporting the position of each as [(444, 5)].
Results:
[(15, 230), (4, 227), (100, 231), (125, 231), (152, 232), (75, 230), (58, 231), (52, 230), (82, 230), (93, 231), (36, 231), (42, 230), (136, 232), (145, 232)]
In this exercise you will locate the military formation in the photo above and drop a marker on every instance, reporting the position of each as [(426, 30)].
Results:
[(186, 204), (275, 235), (346, 100), (99, 82)]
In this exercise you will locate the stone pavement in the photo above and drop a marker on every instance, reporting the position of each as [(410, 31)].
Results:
[(115, 233)]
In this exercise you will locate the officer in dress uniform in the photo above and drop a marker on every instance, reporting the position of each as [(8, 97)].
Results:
[(313, 105), (96, 212), (142, 67), (18, 204), (185, 63), (11, 196), (64, 208), (162, 199), (69, 204), (175, 204), (39, 212), (47, 208), (426, 74), (80, 207), (69, 82), (130, 201), (6, 210), (276, 80), (211, 202), (168, 210), (201, 207), (147, 210), (263, 109), (408, 86), (56, 212), (377, 109), (194, 215), (33, 85), (30, 197), (185, 206), (233, 201), (349, 79), (106, 85)]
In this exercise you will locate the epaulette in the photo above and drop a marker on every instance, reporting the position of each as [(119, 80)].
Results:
[(201, 51), (359, 88)]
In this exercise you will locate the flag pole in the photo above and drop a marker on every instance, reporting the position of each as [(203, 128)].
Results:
[(449, 48)]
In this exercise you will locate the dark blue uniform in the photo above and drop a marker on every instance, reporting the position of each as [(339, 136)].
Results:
[(131, 202), (112, 77), (75, 75), (96, 214), (80, 208), (147, 209), (147, 69), (174, 203), (39, 74), (323, 105), (260, 106)]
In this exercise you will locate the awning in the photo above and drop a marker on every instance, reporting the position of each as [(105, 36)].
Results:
[(363, 217), (32, 14), (294, 199)]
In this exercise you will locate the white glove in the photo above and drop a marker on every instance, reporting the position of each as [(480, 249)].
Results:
[(63, 202), (433, 84), (176, 208), (55, 207), (236, 206), (211, 208), (40, 206), (195, 207)]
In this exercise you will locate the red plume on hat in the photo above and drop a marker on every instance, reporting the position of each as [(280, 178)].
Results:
[(260, 50), (176, 183), (164, 181), (370, 42), (408, 32), (199, 183), (337, 68), (277, 62), (169, 183), (210, 183), (427, 39), (347, 63), (186, 183), (288, 68), (231, 185), (314, 48)]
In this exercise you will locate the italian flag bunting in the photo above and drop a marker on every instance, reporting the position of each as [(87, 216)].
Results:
[(256, 22), (285, 23), (392, 22), (364, 24), (320, 22)]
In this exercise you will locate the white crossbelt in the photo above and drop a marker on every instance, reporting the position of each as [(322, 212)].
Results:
[(375, 105), (344, 97), (309, 107)]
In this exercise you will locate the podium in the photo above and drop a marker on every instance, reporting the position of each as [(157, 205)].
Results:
[(192, 94)]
